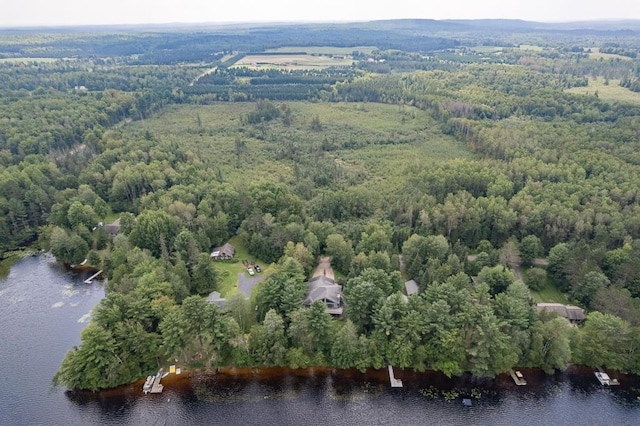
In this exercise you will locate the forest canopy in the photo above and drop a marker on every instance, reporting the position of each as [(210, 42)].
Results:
[(493, 174)]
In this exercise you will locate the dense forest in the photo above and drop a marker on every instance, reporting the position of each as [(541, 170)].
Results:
[(496, 168)]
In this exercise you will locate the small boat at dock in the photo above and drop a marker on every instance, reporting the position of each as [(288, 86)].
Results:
[(518, 378), (605, 380), (146, 388), (152, 384)]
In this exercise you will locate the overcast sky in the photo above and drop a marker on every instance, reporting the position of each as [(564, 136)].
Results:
[(89, 12)]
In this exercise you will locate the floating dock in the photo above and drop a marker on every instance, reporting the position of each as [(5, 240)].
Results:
[(395, 383), (88, 280), (518, 378), (152, 384)]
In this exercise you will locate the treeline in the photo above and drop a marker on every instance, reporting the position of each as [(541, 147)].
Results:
[(615, 49), (245, 84), (170, 46), (51, 129)]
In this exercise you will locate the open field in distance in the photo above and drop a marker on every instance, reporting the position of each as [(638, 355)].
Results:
[(611, 92), (291, 62), (324, 50)]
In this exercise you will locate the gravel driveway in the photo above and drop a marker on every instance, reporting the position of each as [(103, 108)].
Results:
[(247, 282)]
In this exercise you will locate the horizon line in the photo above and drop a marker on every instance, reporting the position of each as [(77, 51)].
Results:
[(301, 21)]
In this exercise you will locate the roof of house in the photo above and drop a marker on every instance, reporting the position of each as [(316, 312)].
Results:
[(330, 293), (321, 280), (113, 228), (214, 297), (411, 287), (326, 290), (226, 250), (572, 313)]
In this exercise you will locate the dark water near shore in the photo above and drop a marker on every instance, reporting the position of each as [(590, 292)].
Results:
[(43, 308)]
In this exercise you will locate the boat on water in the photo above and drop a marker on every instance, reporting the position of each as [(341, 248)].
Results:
[(605, 380), (148, 384)]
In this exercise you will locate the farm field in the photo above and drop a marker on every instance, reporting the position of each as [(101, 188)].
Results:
[(26, 60), (596, 54), (291, 62), (611, 92), (324, 50)]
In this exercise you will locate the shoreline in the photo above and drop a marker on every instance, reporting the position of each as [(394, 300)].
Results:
[(411, 379)]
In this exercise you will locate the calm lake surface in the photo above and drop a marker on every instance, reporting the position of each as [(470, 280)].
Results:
[(43, 309)]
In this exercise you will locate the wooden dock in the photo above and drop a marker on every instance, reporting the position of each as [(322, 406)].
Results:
[(518, 378), (88, 280), (152, 384), (395, 383)]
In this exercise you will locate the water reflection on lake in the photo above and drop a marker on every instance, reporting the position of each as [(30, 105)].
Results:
[(321, 397), (43, 309)]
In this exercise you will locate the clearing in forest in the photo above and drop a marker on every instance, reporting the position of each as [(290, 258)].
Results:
[(324, 50), (292, 62), (610, 91), (368, 143)]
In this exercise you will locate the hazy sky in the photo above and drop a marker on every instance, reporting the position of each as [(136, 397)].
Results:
[(85, 12)]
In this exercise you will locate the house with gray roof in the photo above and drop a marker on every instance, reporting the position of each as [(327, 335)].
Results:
[(112, 229), (328, 292), (574, 314), (214, 297), (411, 287)]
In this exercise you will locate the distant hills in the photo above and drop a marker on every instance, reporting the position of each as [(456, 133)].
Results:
[(431, 25)]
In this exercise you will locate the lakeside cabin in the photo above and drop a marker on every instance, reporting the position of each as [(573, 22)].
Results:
[(225, 252), (326, 290), (573, 314)]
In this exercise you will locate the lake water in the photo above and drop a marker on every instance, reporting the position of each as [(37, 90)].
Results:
[(43, 309)]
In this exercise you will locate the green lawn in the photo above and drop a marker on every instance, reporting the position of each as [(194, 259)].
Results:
[(550, 294), (228, 283)]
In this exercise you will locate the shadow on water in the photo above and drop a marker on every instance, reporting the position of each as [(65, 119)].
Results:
[(250, 393)]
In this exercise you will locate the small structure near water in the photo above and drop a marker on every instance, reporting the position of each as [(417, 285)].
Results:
[(518, 378), (605, 380), (395, 383), (88, 280), (152, 384)]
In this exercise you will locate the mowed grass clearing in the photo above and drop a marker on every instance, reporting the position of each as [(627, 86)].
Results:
[(27, 60), (292, 62), (228, 271), (596, 54), (611, 92), (549, 293)]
